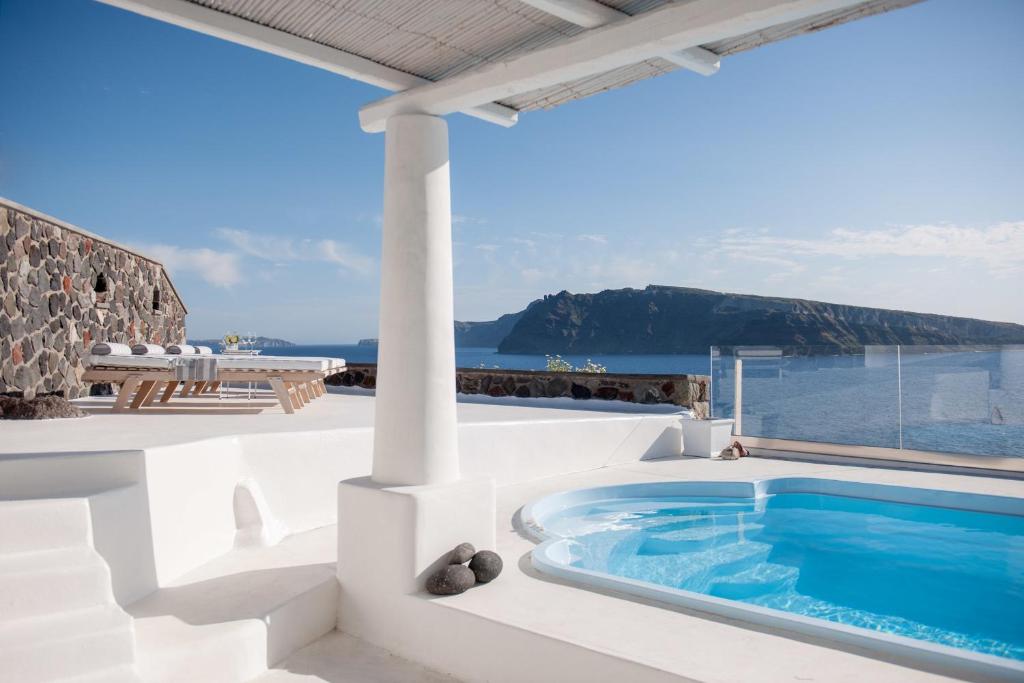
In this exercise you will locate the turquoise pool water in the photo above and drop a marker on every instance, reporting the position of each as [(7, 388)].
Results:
[(947, 576)]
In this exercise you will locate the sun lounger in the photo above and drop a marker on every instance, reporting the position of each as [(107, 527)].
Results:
[(295, 381)]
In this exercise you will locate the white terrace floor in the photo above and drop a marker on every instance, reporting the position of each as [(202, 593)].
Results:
[(212, 417), (261, 604)]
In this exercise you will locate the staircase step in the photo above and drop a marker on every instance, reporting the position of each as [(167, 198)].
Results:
[(231, 618), (33, 525), (341, 657), (696, 538), (62, 645), (761, 579), (125, 673), (52, 581)]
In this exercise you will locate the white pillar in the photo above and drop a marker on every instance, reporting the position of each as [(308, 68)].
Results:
[(419, 505), (415, 430)]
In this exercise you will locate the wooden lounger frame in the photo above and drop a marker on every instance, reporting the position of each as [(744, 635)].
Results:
[(140, 386)]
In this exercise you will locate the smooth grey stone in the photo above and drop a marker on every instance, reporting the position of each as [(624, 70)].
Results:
[(462, 553), (486, 565), (451, 579)]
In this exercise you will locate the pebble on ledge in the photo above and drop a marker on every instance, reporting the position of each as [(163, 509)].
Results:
[(451, 579), (461, 554), (485, 565), (455, 577)]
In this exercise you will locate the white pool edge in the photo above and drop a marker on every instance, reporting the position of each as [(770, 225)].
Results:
[(550, 558)]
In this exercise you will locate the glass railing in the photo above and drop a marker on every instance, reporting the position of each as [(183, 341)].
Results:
[(947, 399)]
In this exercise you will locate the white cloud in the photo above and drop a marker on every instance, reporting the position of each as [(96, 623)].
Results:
[(267, 247), (487, 247), (219, 268), (343, 255), (529, 244), (596, 239), (999, 247), (462, 219), (283, 249), (531, 275)]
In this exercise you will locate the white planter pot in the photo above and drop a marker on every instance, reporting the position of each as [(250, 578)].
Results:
[(706, 438)]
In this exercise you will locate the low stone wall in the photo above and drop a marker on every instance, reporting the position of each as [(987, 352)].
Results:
[(61, 289), (689, 391)]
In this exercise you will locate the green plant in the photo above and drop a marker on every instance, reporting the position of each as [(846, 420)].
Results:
[(558, 364)]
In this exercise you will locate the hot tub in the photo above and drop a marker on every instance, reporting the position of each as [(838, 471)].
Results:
[(935, 576)]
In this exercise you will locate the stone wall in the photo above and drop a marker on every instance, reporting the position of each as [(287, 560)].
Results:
[(51, 311), (689, 391)]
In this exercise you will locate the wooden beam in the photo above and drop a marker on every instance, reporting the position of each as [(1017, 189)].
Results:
[(697, 60), (128, 387), (591, 14), (283, 396), (585, 13), (250, 34), (169, 391), (673, 27)]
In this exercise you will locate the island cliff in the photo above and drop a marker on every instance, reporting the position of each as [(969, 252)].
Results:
[(661, 319)]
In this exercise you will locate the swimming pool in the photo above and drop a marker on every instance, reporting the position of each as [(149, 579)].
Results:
[(937, 575)]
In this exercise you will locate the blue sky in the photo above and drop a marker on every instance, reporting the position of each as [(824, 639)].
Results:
[(879, 163)]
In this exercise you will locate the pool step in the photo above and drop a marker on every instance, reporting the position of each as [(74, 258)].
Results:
[(230, 619), (698, 521), (693, 570), (759, 580), (696, 538)]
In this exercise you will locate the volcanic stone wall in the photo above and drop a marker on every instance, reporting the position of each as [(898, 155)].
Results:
[(61, 290), (688, 391)]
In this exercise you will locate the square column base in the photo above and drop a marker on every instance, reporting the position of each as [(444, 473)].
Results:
[(706, 438), (391, 538)]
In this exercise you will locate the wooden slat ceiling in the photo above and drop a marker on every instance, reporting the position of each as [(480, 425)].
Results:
[(436, 39)]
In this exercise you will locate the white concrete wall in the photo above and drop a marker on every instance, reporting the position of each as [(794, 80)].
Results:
[(162, 512)]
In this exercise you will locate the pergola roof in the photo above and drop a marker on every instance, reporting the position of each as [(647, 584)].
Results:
[(402, 44)]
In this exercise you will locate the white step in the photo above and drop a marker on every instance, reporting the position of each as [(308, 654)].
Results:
[(341, 657), (32, 525), (125, 673), (64, 645), (45, 582), (233, 617)]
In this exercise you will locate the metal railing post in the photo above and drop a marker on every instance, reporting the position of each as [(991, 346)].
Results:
[(737, 428), (899, 392), (711, 382)]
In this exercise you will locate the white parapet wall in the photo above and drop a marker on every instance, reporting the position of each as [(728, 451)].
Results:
[(159, 512)]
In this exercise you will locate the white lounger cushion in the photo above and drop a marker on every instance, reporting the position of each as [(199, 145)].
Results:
[(333, 363), (176, 349), (203, 350), (273, 363), (139, 362), (262, 363), (110, 349), (147, 349)]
